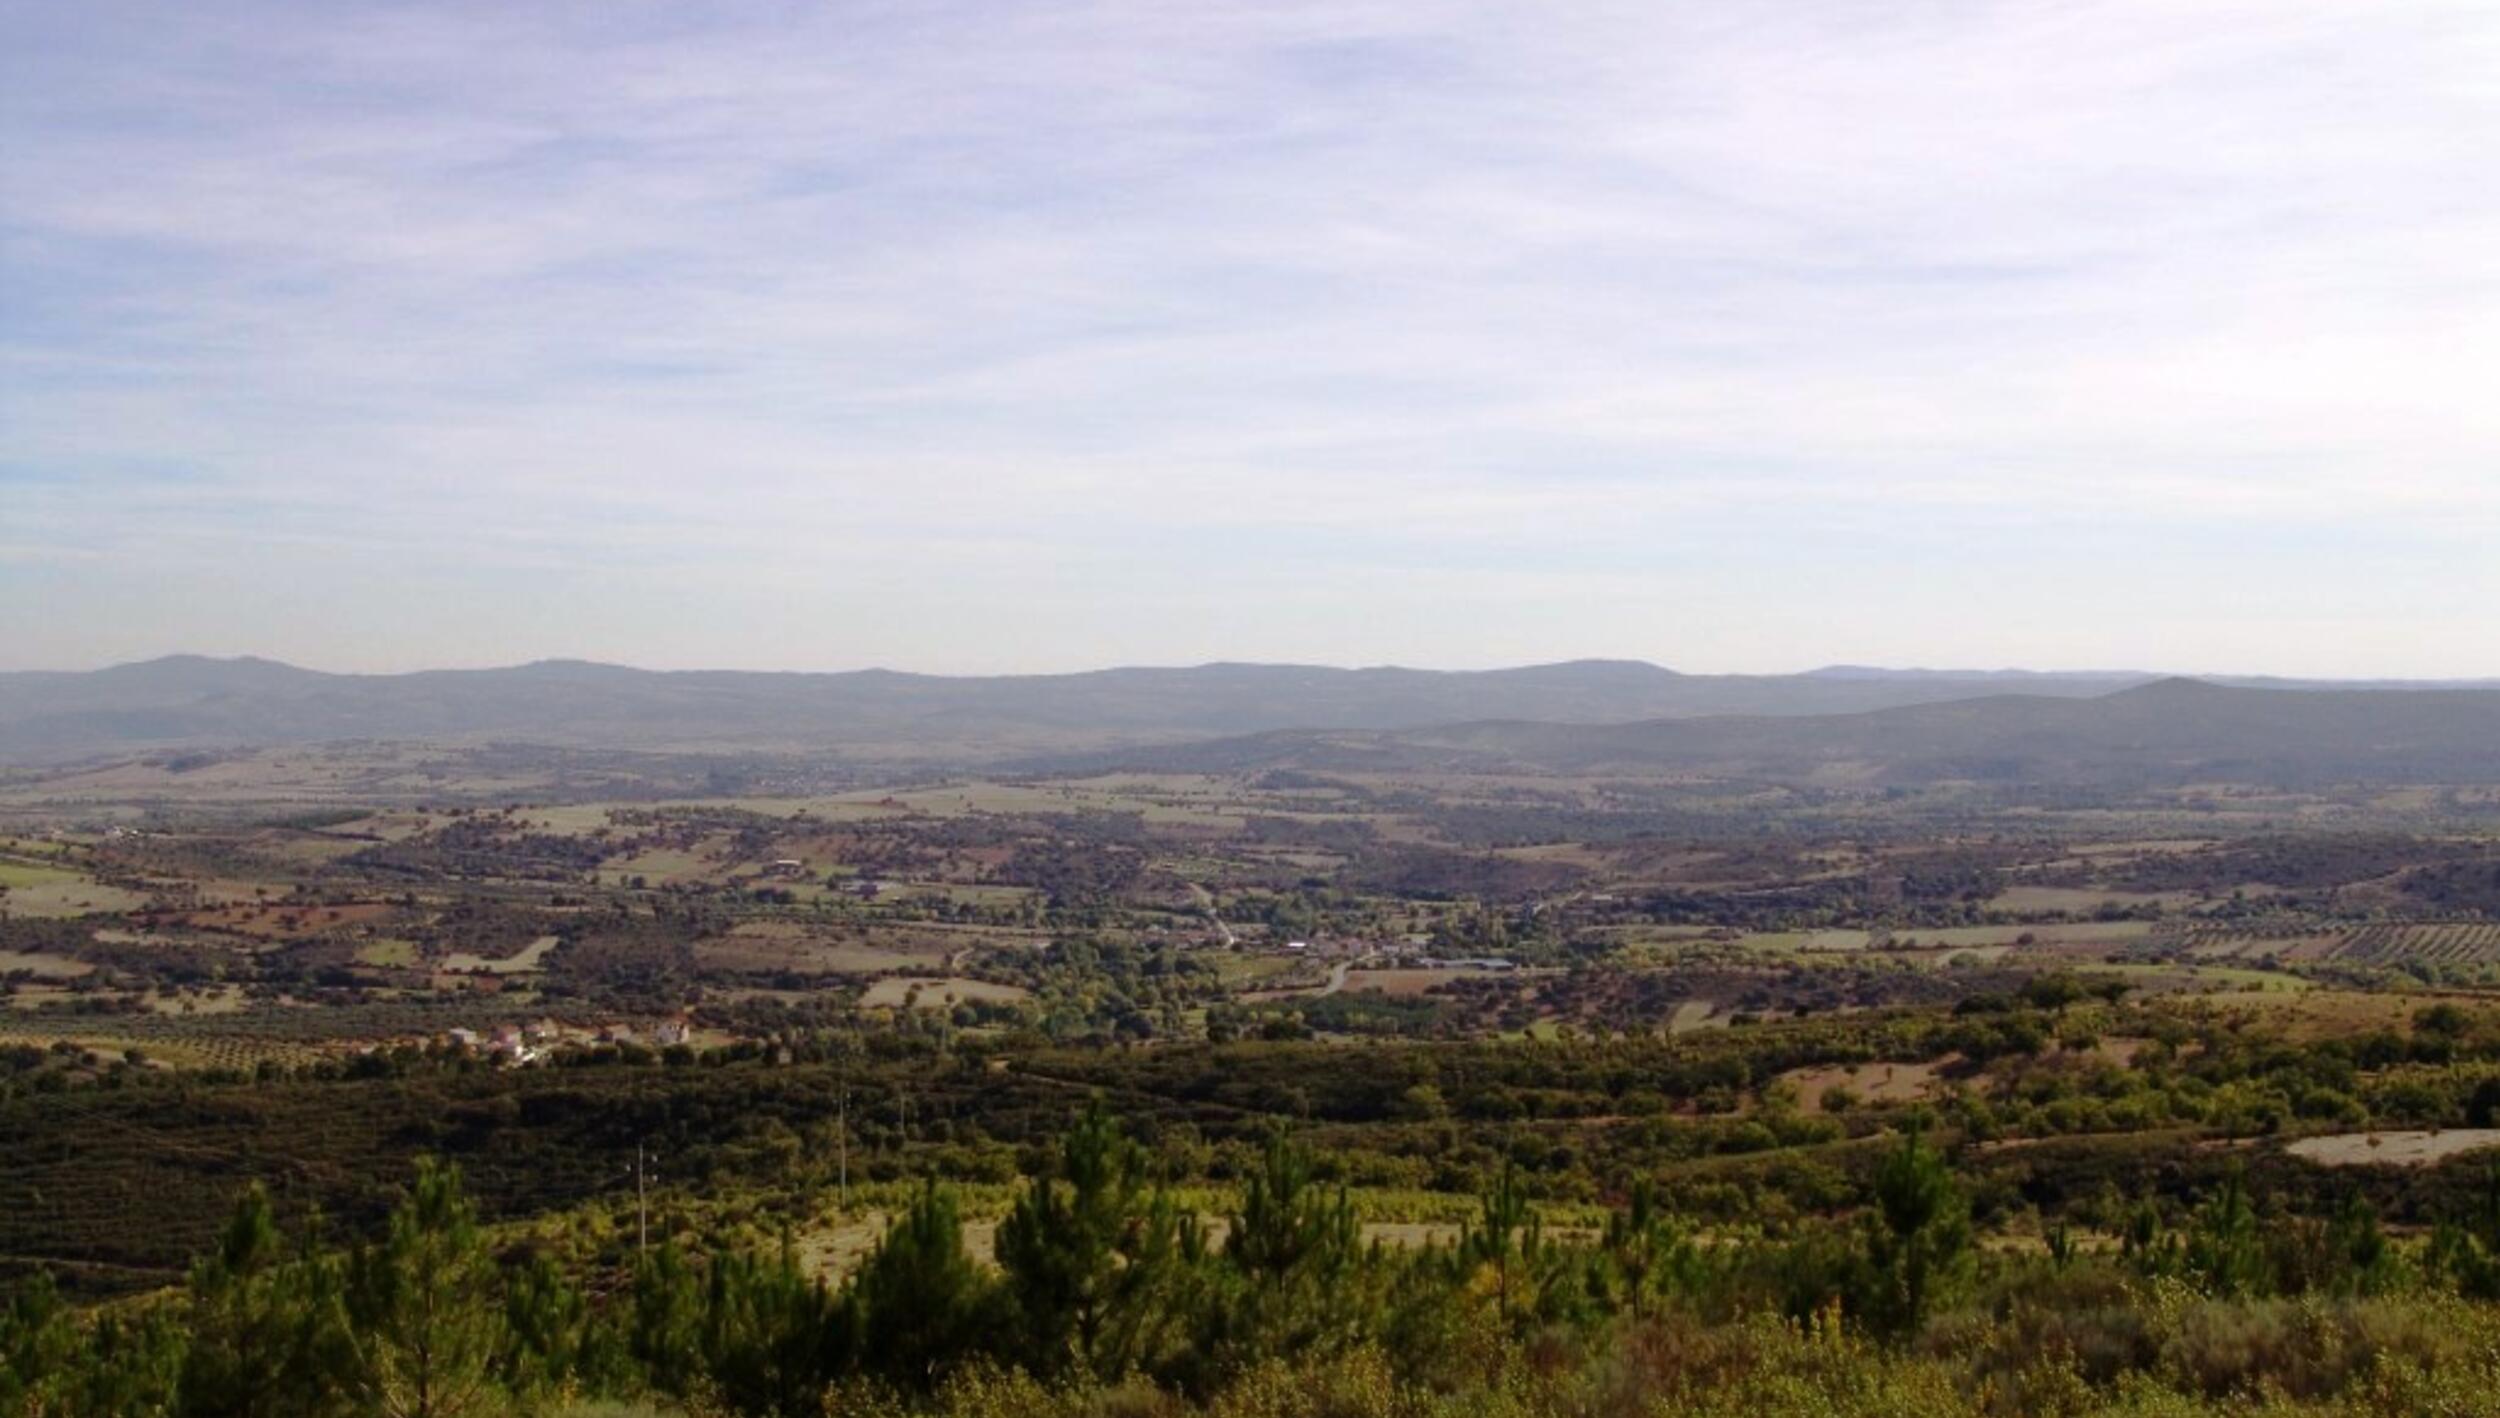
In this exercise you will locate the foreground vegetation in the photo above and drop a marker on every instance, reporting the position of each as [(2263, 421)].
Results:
[(1109, 1298)]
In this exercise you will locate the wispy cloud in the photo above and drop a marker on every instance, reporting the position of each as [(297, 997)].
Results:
[(1002, 335)]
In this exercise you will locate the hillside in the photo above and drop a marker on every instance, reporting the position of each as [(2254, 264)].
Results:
[(2173, 731), (194, 701)]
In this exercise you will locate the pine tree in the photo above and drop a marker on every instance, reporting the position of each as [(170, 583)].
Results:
[(40, 1342), (667, 1319), (549, 1340), (773, 1336), (2467, 1251), (2356, 1258), (1504, 1247), (132, 1368), (1921, 1235), (257, 1329), (2225, 1255), (1649, 1257), (423, 1325), (1291, 1261), (922, 1302), (1091, 1261)]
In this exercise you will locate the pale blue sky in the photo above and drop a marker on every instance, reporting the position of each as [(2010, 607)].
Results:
[(999, 336)]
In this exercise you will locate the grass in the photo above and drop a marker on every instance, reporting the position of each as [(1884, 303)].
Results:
[(42, 966), (1694, 1014), (16, 874), (274, 920), (49, 892), (1401, 1218), (1871, 1082), (530, 958), (103, 1039), (897, 991), (811, 949), (1235, 969), (388, 953), (660, 868), (2045, 933), (1404, 984), (2393, 1149), (2041, 900), (962, 893)]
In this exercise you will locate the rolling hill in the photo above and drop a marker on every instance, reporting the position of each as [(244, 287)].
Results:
[(191, 701), (1837, 726), (2172, 731)]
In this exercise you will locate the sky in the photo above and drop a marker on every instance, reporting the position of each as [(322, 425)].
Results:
[(996, 336)]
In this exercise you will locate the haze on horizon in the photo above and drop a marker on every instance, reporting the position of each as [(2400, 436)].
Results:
[(1005, 337), (2014, 676)]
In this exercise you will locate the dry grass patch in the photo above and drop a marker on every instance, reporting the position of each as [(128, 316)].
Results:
[(2044, 899), (531, 957), (1693, 1015), (2046, 933), (50, 892), (2393, 1149), (1871, 1082), (836, 1251), (1831, 940), (906, 992), (2328, 1014), (809, 950), (1411, 981), (274, 920), (42, 966)]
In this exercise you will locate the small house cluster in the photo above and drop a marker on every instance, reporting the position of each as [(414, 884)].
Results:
[(528, 1043)]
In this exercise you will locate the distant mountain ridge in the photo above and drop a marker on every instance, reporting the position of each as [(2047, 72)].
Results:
[(2175, 731), (1582, 710), (189, 700)]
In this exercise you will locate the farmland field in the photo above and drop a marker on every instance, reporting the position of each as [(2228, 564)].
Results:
[(811, 1007)]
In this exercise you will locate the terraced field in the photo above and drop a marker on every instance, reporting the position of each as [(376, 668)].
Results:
[(2457, 943), (2377, 943), (243, 1038)]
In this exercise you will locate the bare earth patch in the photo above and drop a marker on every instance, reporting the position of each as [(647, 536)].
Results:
[(897, 992), (1871, 1082), (42, 966), (1695, 1014), (2393, 1149), (531, 957)]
